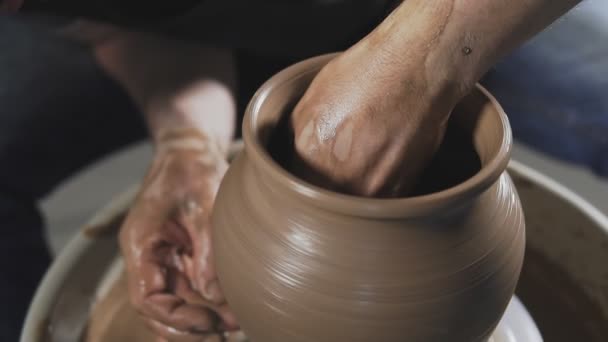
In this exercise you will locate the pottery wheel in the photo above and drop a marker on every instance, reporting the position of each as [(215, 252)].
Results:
[(563, 284), (113, 319)]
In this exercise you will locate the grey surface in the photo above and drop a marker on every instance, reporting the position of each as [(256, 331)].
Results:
[(75, 202), (578, 179)]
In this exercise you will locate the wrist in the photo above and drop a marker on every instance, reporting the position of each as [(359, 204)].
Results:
[(190, 144), (172, 126), (426, 38), (206, 113)]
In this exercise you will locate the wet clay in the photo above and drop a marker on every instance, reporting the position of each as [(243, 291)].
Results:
[(113, 319), (301, 263)]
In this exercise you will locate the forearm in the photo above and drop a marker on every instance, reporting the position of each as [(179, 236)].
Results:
[(459, 40), (204, 113), (184, 91)]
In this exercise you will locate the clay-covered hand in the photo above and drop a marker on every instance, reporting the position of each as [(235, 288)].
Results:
[(369, 123), (166, 242)]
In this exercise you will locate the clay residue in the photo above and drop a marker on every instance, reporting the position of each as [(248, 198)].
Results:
[(113, 319)]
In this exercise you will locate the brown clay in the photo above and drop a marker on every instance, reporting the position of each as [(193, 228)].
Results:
[(113, 319), (301, 263)]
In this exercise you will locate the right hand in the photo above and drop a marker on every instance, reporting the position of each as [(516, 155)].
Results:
[(369, 123), (166, 242)]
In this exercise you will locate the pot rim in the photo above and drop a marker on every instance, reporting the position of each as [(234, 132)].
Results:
[(377, 208)]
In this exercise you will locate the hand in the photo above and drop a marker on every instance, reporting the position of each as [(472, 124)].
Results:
[(166, 242), (370, 121)]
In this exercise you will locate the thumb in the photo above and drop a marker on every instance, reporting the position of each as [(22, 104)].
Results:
[(202, 273), (204, 261)]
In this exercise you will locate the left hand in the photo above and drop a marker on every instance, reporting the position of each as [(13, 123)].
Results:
[(166, 242), (370, 121)]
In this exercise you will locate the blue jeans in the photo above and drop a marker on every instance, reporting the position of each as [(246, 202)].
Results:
[(60, 112)]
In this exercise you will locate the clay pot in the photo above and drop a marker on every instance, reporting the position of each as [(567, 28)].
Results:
[(300, 263)]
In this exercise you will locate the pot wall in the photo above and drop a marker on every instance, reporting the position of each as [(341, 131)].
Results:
[(298, 263)]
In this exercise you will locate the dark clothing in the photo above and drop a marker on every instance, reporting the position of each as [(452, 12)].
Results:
[(294, 28)]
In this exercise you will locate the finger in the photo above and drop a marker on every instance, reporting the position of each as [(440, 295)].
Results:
[(175, 312), (153, 296), (205, 276), (196, 221), (174, 335), (149, 268), (177, 235), (145, 278), (177, 245), (190, 270), (182, 287), (228, 319), (212, 291), (183, 290)]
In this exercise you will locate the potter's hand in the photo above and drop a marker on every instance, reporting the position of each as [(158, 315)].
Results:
[(373, 118), (367, 125), (166, 242)]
